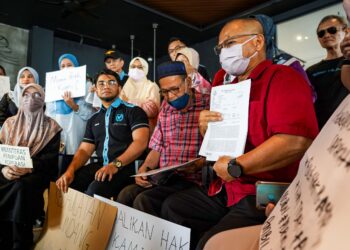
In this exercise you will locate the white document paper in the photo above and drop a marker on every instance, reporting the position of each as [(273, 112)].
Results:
[(15, 156), (134, 229), (313, 213), (227, 137), (165, 169), (4, 85), (71, 79)]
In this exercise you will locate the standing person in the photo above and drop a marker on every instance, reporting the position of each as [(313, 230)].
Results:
[(115, 62), (190, 58), (119, 133), (281, 126), (140, 91), (174, 45), (71, 114), (325, 76), (21, 189), (10, 101)]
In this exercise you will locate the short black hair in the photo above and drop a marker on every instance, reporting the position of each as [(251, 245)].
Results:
[(3, 69), (174, 38), (107, 72), (330, 17)]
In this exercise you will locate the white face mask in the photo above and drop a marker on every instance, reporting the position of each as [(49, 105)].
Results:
[(232, 60), (136, 74)]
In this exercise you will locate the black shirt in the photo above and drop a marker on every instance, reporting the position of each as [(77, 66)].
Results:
[(325, 78), (7, 108), (113, 137)]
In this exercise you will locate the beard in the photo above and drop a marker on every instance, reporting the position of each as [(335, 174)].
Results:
[(108, 99)]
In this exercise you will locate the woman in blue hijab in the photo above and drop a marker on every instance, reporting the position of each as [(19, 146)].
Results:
[(71, 114)]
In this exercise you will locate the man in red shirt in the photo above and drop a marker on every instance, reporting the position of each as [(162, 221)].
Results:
[(282, 125)]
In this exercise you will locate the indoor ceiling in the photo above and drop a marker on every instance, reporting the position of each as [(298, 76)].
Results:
[(106, 22)]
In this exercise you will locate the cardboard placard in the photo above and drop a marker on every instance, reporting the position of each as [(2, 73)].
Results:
[(76, 221), (137, 230), (15, 156), (313, 213), (70, 79)]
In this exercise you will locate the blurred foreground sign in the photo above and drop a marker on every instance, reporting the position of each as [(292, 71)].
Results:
[(76, 221), (313, 213)]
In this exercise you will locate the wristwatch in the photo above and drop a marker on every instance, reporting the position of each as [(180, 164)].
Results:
[(117, 163), (234, 169)]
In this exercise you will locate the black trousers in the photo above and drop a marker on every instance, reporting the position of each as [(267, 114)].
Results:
[(84, 181), (150, 200), (207, 216)]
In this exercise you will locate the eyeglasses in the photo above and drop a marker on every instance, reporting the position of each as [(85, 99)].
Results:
[(101, 84), (176, 48), (331, 30), (172, 90), (34, 95), (229, 42), (134, 66)]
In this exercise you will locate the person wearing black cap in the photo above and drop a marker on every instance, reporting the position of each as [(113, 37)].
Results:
[(175, 140), (115, 62)]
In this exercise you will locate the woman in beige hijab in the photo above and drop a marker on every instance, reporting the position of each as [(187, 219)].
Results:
[(190, 58), (140, 91), (21, 188)]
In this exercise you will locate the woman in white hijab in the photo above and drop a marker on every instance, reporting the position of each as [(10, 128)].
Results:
[(140, 91), (10, 101)]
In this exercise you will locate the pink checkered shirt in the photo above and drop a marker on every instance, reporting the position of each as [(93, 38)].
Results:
[(176, 136)]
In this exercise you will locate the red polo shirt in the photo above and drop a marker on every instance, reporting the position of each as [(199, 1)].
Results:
[(280, 103)]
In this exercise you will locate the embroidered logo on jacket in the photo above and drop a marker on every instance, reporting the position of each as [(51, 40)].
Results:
[(119, 117)]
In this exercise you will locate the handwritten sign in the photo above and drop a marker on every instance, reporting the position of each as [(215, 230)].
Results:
[(313, 212), (70, 79), (76, 221), (137, 230), (15, 156), (4, 85)]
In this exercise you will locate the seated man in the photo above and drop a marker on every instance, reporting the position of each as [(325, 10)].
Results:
[(281, 126), (119, 133), (176, 139)]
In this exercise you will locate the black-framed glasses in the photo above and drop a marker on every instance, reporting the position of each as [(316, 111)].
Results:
[(172, 90), (331, 30), (229, 42), (100, 84)]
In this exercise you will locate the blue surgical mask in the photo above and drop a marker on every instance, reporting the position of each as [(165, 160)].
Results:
[(181, 102)]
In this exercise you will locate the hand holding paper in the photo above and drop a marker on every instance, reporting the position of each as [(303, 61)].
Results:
[(207, 116)]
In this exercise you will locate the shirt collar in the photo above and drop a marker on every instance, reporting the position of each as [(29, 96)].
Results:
[(122, 75), (259, 69), (115, 104)]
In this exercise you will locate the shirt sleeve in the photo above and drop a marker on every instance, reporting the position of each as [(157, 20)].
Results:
[(289, 106), (137, 118), (89, 136), (85, 109), (156, 140)]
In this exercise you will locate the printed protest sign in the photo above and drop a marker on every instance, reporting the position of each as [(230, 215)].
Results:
[(15, 156), (76, 221), (71, 79), (313, 213), (136, 230)]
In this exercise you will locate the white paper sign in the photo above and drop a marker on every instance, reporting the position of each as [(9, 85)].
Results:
[(4, 85), (137, 230), (313, 213), (15, 156), (72, 79), (227, 137)]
